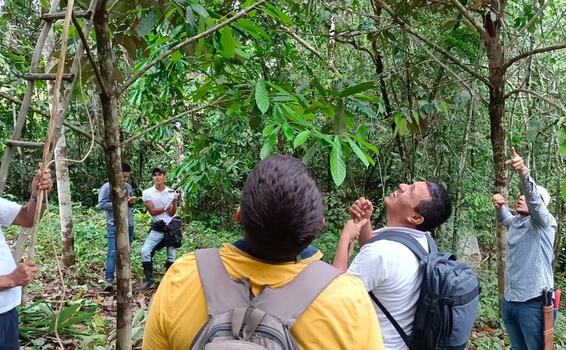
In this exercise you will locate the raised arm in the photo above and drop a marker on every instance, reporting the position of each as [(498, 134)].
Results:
[(540, 215), (503, 214), (350, 233), (537, 208), (361, 209)]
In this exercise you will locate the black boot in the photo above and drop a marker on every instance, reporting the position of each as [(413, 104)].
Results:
[(148, 273), (168, 265)]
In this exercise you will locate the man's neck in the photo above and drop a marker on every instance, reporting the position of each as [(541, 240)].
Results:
[(160, 188), (391, 222)]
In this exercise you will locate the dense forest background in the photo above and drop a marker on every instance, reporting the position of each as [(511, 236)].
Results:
[(369, 94)]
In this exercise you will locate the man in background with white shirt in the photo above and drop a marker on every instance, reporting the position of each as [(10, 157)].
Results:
[(389, 269), (12, 276), (161, 202)]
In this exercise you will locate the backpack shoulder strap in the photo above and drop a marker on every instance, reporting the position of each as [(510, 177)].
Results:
[(297, 294), (222, 292), (404, 239), (397, 326), (432, 247)]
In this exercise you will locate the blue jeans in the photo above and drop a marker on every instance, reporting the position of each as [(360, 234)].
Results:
[(111, 255), (152, 240), (9, 338), (523, 322)]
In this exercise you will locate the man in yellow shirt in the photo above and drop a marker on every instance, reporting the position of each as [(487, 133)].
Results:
[(281, 212)]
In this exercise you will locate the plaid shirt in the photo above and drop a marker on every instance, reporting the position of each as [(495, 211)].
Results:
[(530, 242)]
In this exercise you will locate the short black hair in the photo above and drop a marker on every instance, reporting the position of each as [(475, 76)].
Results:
[(436, 210), (281, 207), (126, 168)]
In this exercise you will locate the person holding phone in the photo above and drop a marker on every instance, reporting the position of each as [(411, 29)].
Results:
[(105, 203), (161, 202)]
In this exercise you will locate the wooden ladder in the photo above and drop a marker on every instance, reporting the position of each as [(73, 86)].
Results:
[(34, 75)]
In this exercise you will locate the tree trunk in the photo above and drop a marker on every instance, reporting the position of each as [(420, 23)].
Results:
[(61, 166), (332, 42), (460, 178), (109, 100), (65, 203), (491, 38)]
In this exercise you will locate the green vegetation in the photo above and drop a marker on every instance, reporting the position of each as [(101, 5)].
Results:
[(368, 94)]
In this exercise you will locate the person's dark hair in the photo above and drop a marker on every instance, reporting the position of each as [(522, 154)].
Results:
[(436, 210), (281, 207), (126, 168)]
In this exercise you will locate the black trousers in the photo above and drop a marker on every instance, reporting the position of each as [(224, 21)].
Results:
[(9, 338)]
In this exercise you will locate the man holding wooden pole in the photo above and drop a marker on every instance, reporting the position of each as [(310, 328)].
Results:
[(13, 276)]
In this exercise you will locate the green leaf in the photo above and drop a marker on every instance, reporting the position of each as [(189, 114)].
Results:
[(251, 28), (358, 152), (311, 152), (227, 42), (261, 96), (356, 88), (301, 138), (444, 107), (367, 98), (276, 13), (337, 165), (366, 144), (146, 23), (270, 129), (200, 10), (177, 55), (400, 125), (189, 17), (267, 147), (288, 132), (563, 189)]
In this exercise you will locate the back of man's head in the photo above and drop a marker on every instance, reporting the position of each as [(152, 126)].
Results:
[(281, 207), (436, 210)]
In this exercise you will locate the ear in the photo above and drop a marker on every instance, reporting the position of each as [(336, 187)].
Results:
[(415, 220), (322, 223), (237, 215)]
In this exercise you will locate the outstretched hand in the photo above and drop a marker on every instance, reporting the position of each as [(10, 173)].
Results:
[(517, 163)]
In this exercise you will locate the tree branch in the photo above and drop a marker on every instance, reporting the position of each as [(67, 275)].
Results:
[(468, 16), (185, 42), (307, 46), (166, 121), (89, 55), (549, 101), (469, 88), (46, 115), (437, 48), (533, 52), (533, 19)]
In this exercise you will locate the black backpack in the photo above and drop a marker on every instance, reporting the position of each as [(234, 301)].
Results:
[(449, 298)]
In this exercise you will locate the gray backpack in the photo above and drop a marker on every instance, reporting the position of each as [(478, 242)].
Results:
[(448, 301), (238, 320)]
